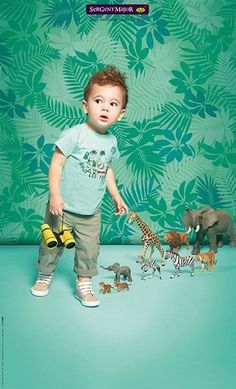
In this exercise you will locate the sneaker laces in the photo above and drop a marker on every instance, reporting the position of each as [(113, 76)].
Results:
[(85, 287), (45, 278)]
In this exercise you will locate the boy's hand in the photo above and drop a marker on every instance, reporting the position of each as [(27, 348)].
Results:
[(56, 205), (121, 207)]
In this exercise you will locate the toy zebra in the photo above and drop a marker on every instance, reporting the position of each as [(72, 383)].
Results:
[(145, 265), (179, 262)]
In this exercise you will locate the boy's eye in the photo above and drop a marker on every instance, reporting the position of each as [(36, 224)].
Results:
[(114, 104), (98, 101)]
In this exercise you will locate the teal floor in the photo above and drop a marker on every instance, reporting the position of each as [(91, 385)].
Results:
[(165, 334)]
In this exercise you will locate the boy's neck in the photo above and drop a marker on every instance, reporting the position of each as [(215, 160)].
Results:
[(102, 131)]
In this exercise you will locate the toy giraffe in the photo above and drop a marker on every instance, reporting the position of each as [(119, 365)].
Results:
[(148, 238)]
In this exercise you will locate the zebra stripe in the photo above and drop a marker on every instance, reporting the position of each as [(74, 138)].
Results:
[(146, 265), (179, 262)]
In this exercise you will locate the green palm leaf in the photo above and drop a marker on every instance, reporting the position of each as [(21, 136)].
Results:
[(173, 116), (36, 183), (108, 51), (142, 103), (228, 9), (11, 149), (177, 172), (29, 61), (143, 161), (122, 30), (199, 56), (75, 77), (17, 10), (121, 130), (57, 113), (179, 23), (9, 232), (226, 183), (225, 72), (61, 13), (86, 23), (6, 172), (7, 126), (220, 97), (137, 195)]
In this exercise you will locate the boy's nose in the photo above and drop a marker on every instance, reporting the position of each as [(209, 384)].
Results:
[(105, 108)]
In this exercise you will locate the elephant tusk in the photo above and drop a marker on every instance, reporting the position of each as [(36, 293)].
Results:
[(197, 228), (189, 230)]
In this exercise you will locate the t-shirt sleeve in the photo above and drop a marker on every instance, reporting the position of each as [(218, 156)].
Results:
[(114, 150), (67, 141)]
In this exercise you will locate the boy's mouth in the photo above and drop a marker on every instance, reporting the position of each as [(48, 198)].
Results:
[(103, 118)]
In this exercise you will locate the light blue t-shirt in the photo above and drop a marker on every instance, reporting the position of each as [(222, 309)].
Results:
[(88, 154)]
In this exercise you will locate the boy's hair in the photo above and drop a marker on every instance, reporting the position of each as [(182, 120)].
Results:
[(109, 76)]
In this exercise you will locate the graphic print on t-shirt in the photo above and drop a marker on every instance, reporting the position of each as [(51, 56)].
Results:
[(95, 164)]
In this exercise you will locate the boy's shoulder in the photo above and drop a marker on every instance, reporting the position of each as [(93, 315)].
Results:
[(76, 128), (72, 132)]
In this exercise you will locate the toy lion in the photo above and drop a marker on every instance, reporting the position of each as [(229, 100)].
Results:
[(184, 239), (121, 286), (105, 288), (176, 239), (207, 258)]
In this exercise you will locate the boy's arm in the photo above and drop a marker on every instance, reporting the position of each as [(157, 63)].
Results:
[(121, 207), (54, 178)]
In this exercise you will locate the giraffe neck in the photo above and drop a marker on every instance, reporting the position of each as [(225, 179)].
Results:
[(143, 226)]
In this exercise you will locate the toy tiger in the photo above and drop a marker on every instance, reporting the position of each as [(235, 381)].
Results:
[(207, 258)]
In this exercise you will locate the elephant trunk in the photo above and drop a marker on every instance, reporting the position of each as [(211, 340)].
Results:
[(105, 268), (188, 220)]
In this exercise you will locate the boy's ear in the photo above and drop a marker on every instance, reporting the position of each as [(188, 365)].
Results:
[(121, 114), (85, 106)]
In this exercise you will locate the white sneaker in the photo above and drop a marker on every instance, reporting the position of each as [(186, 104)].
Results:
[(84, 293), (41, 286)]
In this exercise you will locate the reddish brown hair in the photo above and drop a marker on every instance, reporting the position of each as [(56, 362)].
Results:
[(109, 76)]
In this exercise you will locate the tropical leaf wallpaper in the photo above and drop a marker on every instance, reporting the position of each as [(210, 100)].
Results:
[(177, 140)]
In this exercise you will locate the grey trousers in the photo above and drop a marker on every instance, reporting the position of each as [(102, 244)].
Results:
[(86, 231)]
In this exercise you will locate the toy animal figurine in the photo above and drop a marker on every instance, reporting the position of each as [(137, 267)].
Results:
[(179, 262), (146, 265), (212, 223), (121, 286), (105, 288), (119, 271), (184, 239), (174, 241), (148, 238), (208, 258)]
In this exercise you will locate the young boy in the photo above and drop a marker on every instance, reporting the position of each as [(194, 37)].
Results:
[(80, 171)]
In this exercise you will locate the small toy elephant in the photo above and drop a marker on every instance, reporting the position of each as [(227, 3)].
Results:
[(119, 271)]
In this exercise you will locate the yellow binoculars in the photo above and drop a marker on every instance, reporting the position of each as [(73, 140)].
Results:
[(54, 239)]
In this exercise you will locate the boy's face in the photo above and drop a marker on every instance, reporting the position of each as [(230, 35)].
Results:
[(104, 107)]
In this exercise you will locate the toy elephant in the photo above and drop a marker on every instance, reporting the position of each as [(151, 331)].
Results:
[(119, 271), (212, 223)]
